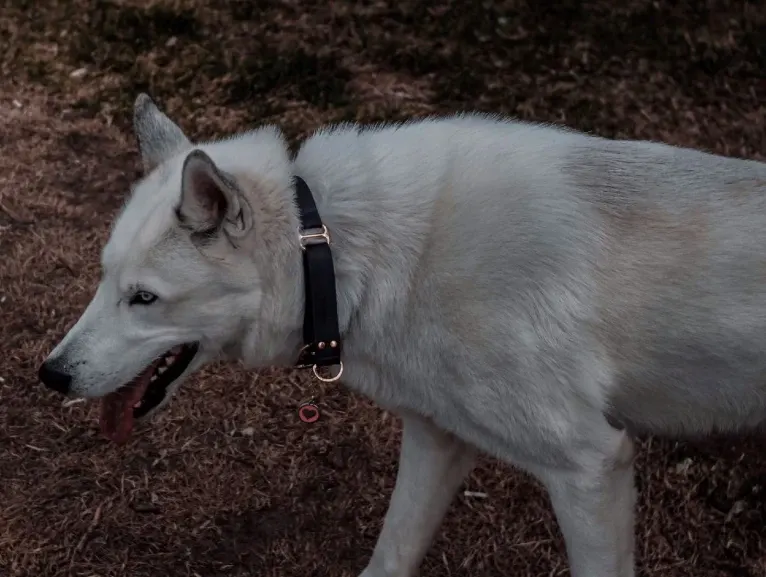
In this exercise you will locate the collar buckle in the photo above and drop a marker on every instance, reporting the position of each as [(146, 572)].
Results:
[(311, 239)]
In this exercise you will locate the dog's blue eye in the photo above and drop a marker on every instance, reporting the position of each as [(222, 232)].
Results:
[(142, 298)]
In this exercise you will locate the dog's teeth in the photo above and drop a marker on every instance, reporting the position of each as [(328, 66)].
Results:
[(161, 370), (170, 360), (137, 405), (154, 378)]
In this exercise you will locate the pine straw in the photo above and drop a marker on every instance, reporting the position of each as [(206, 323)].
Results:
[(228, 481)]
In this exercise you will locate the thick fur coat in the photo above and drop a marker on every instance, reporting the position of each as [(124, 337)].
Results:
[(522, 290)]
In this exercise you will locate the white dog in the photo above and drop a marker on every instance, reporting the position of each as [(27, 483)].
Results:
[(534, 293)]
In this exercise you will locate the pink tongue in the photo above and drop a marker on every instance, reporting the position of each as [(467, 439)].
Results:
[(117, 408)]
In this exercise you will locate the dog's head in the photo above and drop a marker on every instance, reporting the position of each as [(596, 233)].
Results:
[(180, 283)]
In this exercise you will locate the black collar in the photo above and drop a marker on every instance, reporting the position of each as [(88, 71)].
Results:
[(321, 334)]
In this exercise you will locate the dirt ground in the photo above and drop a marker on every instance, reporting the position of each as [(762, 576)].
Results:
[(228, 482)]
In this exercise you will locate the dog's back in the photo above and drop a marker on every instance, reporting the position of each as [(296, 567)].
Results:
[(525, 273), (681, 291)]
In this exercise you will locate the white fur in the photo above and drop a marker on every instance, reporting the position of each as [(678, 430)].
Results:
[(522, 290)]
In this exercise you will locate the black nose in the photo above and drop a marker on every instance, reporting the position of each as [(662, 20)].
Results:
[(53, 378)]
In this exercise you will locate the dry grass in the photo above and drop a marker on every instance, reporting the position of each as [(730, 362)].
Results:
[(228, 482)]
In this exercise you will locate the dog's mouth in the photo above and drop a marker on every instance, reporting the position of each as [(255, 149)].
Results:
[(144, 393)]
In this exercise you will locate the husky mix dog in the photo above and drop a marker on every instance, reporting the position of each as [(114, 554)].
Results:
[(526, 291)]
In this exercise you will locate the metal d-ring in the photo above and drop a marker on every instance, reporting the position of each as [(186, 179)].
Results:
[(324, 379)]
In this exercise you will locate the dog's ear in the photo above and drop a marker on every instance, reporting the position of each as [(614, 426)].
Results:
[(211, 201), (158, 136)]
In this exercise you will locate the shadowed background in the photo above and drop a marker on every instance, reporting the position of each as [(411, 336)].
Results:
[(228, 482)]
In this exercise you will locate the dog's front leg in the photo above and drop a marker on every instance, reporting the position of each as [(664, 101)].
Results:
[(432, 464), (594, 506)]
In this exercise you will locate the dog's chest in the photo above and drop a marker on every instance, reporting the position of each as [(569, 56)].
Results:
[(487, 413)]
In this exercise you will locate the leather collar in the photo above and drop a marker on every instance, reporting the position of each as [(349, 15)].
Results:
[(321, 334)]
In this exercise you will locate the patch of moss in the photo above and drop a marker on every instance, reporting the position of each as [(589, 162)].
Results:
[(318, 80), (111, 36)]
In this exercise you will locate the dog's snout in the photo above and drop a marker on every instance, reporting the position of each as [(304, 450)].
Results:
[(54, 378)]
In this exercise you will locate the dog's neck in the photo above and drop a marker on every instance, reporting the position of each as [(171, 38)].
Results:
[(279, 257), (363, 215)]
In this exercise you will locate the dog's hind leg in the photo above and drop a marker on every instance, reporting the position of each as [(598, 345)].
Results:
[(594, 505), (432, 464)]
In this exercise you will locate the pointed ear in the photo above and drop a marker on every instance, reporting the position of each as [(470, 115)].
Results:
[(158, 136), (211, 201)]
